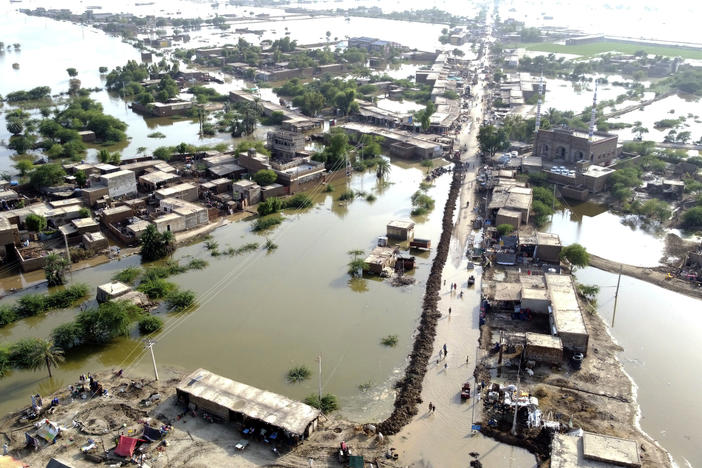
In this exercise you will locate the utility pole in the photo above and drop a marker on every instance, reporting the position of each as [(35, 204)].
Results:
[(150, 346), (68, 255), (319, 360), (475, 381), (516, 406), (616, 294)]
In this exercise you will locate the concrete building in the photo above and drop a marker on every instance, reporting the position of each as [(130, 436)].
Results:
[(381, 259), (400, 230), (217, 159), (246, 193), (84, 225), (111, 291), (120, 184), (253, 161), (594, 177), (185, 191), (543, 348), (9, 236), (571, 146), (192, 215), (116, 214), (508, 216), (566, 317), (94, 241), (297, 172), (153, 181), (593, 451), (548, 247), (285, 144), (512, 198)]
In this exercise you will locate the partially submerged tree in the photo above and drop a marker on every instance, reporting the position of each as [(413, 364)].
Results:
[(47, 354), (55, 269), (576, 255), (156, 245)]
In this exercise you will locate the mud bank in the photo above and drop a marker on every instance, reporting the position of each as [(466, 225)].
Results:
[(410, 387), (655, 276)]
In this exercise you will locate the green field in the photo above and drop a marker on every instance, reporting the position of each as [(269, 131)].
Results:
[(602, 47)]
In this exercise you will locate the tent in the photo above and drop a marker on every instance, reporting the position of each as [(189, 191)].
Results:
[(152, 434), (55, 463), (48, 431), (356, 461), (126, 446)]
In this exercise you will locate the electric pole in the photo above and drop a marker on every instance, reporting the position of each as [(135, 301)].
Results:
[(150, 346), (516, 401), (616, 294), (319, 360)]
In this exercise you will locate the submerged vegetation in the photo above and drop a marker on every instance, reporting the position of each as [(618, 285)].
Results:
[(298, 374)]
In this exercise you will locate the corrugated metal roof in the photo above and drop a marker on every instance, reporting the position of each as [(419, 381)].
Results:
[(274, 409)]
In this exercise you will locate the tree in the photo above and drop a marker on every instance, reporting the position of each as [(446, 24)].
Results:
[(106, 157), (383, 168), (576, 255), (46, 175), (35, 222), (492, 139), (156, 245), (163, 152), (102, 70), (24, 165), (72, 72), (15, 126), (265, 177), (55, 269), (505, 229), (81, 178), (45, 353)]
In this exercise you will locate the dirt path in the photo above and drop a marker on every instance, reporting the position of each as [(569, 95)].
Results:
[(650, 275)]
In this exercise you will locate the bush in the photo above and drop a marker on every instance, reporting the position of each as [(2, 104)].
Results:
[(299, 200), (270, 245), (505, 229), (67, 336), (267, 222), (347, 194), (156, 288), (107, 321), (269, 206), (180, 300), (4, 362), (128, 275), (7, 315), (197, 264), (156, 245), (150, 324), (327, 404), (21, 352), (390, 340), (422, 202), (84, 213), (692, 218), (298, 374), (30, 305), (35, 222), (265, 177), (67, 297)]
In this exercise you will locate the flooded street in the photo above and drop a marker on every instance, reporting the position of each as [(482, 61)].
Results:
[(659, 330)]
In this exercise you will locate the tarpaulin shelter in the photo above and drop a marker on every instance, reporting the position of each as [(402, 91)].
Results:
[(152, 434), (356, 461), (55, 463), (126, 446), (45, 432)]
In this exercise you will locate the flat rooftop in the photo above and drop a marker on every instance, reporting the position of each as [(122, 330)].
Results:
[(548, 238), (170, 191), (157, 177), (114, 288), (543, 341), (117, 174), (568, 451), (401, 224), (566, 310)]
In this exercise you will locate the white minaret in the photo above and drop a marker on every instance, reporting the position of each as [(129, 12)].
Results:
[(594, 113), (537, 124)]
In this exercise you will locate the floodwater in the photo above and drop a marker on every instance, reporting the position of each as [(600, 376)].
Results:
[(261, 314), (659, 331), (399, 106), (604, 234), (672, 107)]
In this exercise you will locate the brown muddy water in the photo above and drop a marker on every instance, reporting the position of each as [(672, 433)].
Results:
[(262, 313)]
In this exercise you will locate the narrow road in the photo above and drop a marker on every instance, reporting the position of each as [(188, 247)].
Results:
[(443, 438)]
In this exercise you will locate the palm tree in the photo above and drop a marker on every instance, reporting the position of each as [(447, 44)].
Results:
[(46, 353), (383, 169)]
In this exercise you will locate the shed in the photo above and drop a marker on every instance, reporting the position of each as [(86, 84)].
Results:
[(543, 348), (507, 216), (400, 230), (110, 291), (157, 179), (116, 214), (95, 240), (233, 400), (273, 190), (380, 258), (535, 299), (226, 170), (548, 247), (84, 225)]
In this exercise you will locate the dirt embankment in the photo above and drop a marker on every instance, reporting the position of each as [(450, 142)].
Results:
[(651, 275), (410, 387)]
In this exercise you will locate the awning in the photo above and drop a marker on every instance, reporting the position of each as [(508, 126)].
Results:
[(126, 446)]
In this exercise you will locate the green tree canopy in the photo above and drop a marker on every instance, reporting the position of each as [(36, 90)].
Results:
[(265, 177), (156, 245), (55, 269), (46, 175), (491, 139), (576, 255)]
